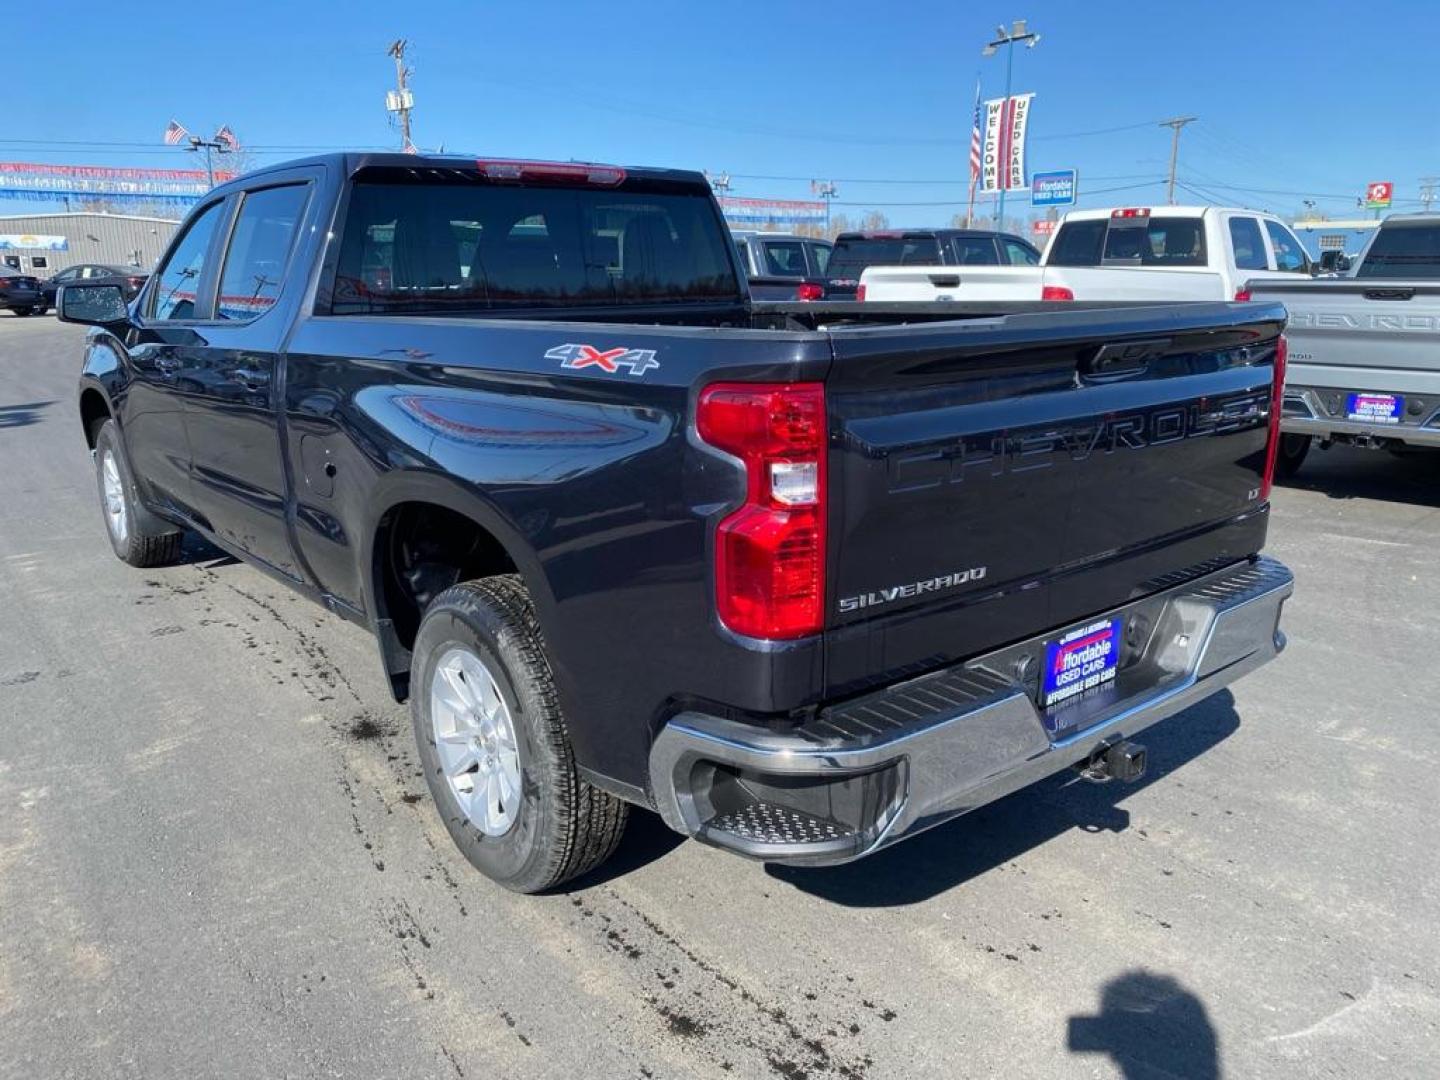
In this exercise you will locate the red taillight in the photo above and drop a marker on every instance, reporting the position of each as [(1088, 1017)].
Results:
[(808, 290), (4, 282), (1277, 404), (1056, 292), (860, 291), (553, 171), (770, 553), (136, 281), (1242, 295)]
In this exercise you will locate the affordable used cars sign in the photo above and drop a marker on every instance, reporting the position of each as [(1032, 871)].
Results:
[(1053, 188)]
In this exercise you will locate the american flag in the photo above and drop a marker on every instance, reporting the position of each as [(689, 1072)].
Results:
[(174, 133), (975, 139), (226, 138)]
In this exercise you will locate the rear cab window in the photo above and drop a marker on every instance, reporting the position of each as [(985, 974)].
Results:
[(456, 240), (1403, 249), (1134, 240), (974, 251), (852, 255)]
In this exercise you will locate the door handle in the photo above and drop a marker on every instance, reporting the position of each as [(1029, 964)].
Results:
[(250, 379)]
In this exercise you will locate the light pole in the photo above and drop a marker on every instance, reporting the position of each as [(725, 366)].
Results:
[(197, 143), (1018, 33)]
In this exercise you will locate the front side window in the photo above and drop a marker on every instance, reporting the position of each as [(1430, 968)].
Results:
[(179, 279), (259, 251), (784, 259), (1249, 247), (459, 242), (71, 274), (1290, 257)]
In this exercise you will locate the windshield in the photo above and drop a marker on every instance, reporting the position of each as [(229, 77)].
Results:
[(1404, 250), (851, 255), (462, 243)]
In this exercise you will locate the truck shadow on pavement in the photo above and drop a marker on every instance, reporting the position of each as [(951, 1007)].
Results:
[(12, 416), (1344, 472), (951, 854), (1150, 1026)]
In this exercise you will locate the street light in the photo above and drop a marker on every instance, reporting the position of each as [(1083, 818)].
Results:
[(1018, 33)]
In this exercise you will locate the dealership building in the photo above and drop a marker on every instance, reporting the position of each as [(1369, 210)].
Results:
[(44, 244)]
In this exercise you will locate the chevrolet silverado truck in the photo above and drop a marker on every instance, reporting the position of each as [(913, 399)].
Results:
[(1365, 349), (1168, 253), (805, 579)]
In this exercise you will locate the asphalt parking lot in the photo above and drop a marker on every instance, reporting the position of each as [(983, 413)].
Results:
[(217, 856)]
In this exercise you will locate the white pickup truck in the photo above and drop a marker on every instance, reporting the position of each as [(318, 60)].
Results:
[(1131, 253), (1365, 349)]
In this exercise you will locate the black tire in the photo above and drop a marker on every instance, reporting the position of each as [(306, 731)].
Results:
[(562, 826), (142, 539), (21, 312), (1291, 455)]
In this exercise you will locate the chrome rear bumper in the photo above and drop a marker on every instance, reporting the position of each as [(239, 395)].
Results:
[(868, 772)]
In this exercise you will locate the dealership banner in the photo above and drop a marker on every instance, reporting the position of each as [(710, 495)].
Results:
[(37, 182), (1002, 157), (739, 211)]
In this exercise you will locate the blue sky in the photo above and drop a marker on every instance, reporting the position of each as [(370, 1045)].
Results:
[(1294, 99)]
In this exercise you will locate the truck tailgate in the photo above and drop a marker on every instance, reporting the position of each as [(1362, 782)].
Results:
[(999, 477), (1350, 334)]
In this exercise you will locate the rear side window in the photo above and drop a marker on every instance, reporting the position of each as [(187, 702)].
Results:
[(1079, 243), (1018, 254), (259, 251), (975, 251), (785, 259), (1403, 250), (179, 278), (1249, 247), (1289, 255), (462, 243), (851, 256)]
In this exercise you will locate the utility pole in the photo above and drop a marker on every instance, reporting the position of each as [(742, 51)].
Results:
[(1175, 125), (1018, 33), (400, 100), (1427, 191)]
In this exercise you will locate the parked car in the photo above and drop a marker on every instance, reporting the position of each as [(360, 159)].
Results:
[(1365, 349), (20, 293), (129, 278), (792, 575), (1126, 253), (855, 252), (783, 266)]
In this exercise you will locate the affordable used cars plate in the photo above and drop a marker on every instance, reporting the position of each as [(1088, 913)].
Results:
[(1082, 659), (1376, 408)]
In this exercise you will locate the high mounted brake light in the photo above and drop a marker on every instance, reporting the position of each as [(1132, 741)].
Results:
[(573, 172), (770, 553), (1277, 403), (1131, 212)]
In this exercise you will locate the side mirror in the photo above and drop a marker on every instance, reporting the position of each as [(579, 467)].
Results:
[(92, 305)]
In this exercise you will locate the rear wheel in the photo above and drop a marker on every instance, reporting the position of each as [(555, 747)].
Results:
[(21, 312), (494, 746), (1291, 455), (138, 537)]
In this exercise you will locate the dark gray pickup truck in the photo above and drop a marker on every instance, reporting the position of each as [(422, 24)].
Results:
[(803, 578)]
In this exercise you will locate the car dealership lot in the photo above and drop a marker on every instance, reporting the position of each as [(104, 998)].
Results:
[(216, 855)]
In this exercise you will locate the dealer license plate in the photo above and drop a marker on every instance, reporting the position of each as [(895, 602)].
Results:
[(1081, 660), (1374, 408)]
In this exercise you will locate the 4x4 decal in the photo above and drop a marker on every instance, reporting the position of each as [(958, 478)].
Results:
[(575, 357)]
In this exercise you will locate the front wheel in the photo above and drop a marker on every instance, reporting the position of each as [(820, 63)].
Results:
[(1291, 455), (137, 536), (494, 745)]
